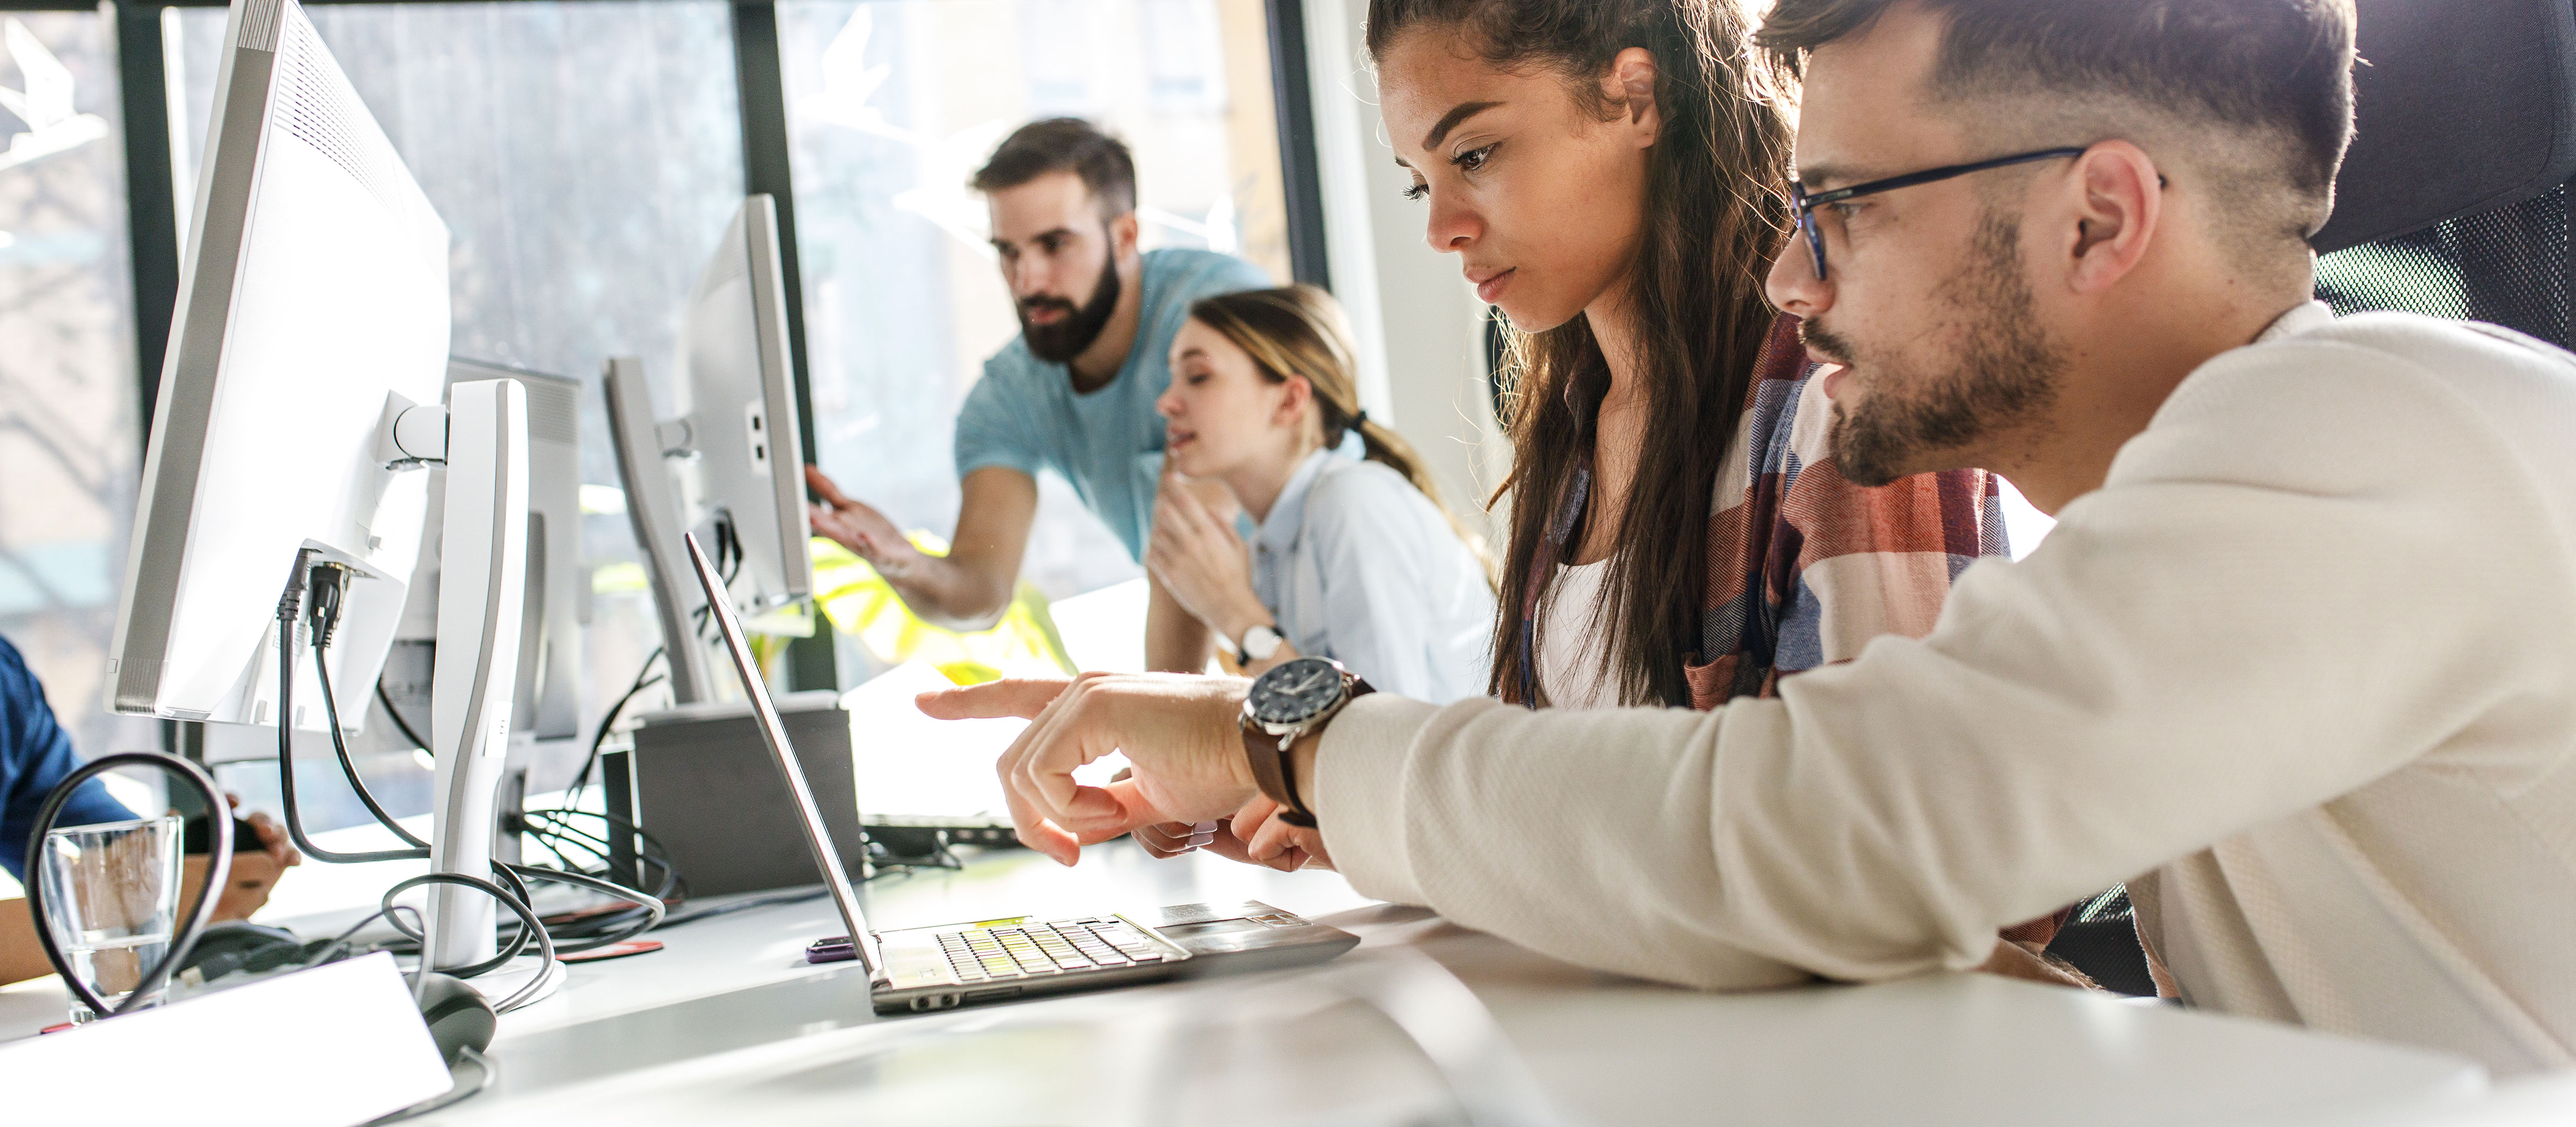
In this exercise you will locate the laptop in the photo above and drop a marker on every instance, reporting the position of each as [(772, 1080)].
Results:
[(920, 970)]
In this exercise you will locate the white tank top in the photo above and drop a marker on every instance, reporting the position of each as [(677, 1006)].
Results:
[(1569, 640)]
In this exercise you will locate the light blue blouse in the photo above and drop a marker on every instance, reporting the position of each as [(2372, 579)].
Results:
[(1360, 567)]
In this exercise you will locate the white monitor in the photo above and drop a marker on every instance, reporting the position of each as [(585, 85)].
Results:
[(731, 463), (298, 403), (315, 307)]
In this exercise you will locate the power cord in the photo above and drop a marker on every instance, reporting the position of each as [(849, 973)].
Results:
[(324, 583), (399, 723)]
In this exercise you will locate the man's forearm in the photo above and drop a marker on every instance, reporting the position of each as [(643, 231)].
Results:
[(949, 594)]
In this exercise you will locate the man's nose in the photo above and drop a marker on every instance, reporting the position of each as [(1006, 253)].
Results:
[(1792, 284)]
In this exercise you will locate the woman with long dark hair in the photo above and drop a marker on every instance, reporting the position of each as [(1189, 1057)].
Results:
[(1614, 176)]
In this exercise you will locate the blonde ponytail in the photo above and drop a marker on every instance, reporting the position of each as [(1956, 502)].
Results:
[(1301, 331)]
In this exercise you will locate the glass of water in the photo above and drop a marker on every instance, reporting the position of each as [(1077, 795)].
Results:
[(112, 899)]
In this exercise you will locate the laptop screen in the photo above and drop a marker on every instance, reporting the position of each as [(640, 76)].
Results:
[(817, 839)]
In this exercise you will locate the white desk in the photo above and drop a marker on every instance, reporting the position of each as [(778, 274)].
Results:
[(729, 1025)]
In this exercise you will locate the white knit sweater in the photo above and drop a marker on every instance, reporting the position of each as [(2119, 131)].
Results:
[(2304, 661)]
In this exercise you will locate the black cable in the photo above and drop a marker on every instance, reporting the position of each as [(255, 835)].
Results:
[(219, 866), (517, 906), (287, 625), (399, 722), (649, 848), (323, 584), (608, 722), (340, 747), (466, 1086)]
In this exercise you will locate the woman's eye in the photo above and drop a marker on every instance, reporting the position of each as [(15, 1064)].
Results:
[(1845, 208), (1417, 191), (1473, 160)]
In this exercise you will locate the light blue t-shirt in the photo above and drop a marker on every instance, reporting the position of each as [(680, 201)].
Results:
[(1109, 443)]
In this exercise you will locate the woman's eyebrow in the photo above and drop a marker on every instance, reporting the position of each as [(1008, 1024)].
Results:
[(1451, 120)]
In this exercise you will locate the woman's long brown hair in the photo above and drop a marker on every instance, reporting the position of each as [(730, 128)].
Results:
[(1300, 331), (1716, 209)]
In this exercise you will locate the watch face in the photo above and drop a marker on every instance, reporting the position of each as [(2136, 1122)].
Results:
[(1296, 690)]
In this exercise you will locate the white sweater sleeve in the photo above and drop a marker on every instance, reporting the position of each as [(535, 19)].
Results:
[(2262, 609)]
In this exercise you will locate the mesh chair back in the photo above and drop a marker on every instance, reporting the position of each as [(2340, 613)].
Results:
[(2507, 266)]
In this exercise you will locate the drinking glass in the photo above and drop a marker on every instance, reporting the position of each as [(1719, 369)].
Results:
[(112, 899)]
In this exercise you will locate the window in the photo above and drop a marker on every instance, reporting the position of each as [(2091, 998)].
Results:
[(586, 157), (892, 104), (70, 449)]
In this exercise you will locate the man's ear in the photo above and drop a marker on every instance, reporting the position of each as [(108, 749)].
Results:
[(2118, 210), (1630, 85), (1122, 235)]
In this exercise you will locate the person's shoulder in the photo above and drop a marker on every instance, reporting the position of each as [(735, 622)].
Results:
[(1185, 274), (1353, 494), (2386, 365)]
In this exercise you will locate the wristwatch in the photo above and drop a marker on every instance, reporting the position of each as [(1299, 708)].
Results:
[(1294, 698), (1258, 644)]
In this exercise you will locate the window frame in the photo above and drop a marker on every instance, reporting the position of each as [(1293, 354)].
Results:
[(152, 201)]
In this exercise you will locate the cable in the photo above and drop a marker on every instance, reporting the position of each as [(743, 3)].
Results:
[(517, 906), (608, 722), (466, 1086), (399, 722), (317, 588), (340, 747), (287, 625)]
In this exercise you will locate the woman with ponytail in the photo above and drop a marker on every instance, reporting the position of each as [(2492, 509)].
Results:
[(1356, 560)]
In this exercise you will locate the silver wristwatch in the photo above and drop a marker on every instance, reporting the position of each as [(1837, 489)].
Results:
[(1294, 698), (1258, 644)]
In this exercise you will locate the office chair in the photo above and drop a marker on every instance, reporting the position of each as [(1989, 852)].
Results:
[(2454, 201)]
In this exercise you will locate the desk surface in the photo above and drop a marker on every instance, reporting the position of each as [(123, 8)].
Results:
[(727, 1024)]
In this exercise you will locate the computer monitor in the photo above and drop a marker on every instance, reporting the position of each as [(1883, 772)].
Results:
[(298, 401), (731, 464), (548, 697)]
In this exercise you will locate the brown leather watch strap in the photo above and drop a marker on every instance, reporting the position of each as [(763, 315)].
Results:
[(1275, 774), (1261, 749)]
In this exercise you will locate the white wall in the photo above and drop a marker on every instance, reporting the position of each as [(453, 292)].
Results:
[(1419, 323)]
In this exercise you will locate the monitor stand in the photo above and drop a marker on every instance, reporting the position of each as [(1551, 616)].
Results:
[(655, 512), (482, 583)]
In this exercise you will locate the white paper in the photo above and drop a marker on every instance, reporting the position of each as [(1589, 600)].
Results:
[(328, 1047)]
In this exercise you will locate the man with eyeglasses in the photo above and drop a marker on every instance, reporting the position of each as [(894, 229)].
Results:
[(2295, 663)]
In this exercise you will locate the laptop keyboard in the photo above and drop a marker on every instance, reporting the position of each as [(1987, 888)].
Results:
[(999, 954)]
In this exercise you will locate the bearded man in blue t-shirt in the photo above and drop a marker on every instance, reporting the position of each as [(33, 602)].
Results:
[(1074, 394)]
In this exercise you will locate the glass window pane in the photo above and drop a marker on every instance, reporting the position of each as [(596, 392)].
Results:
[(69, 443), (586, 157), (892, 104)]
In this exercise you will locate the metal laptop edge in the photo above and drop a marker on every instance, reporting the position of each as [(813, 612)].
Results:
[(908, 970)]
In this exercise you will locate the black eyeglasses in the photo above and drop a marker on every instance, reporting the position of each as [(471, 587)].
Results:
[(1807, 204)]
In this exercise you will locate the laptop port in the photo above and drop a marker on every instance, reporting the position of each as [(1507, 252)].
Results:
[(989, 995)]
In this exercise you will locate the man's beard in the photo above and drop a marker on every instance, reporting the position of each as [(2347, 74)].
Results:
[(1060, 342), (2005, 373)]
